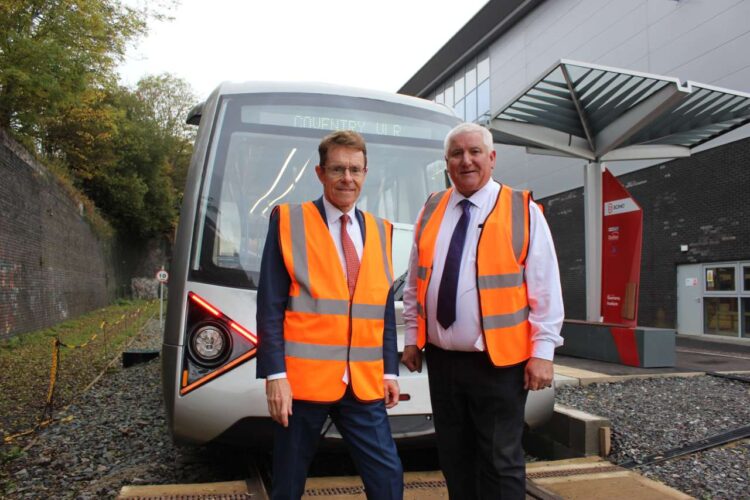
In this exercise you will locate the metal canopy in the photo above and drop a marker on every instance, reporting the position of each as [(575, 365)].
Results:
[(607, 114), (598, 113)]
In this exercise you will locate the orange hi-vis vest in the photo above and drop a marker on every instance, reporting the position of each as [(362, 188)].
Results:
[(325, 329), (501, 253)]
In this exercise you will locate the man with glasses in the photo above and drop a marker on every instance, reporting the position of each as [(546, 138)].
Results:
[(327, 329)]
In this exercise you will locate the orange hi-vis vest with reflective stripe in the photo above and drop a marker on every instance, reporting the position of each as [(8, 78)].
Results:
[(501, 253), (324, 330)]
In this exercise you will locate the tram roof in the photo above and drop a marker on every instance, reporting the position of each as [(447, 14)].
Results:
[(601, 113), (254, 87), (329, 88)]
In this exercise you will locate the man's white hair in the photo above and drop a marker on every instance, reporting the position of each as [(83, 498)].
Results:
[(465, 127)]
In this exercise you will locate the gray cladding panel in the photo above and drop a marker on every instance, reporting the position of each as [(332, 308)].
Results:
[(716, 29), (669, 21), (721, 64)]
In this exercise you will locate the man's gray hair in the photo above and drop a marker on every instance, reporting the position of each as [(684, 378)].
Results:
[(465, 127)]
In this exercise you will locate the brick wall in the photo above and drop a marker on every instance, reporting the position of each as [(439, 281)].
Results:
[(701, 201), (52, 265)]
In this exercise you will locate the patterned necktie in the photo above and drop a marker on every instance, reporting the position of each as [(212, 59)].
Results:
[(350, 256), (446, 303)]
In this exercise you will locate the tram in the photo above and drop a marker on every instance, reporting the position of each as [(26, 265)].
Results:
[(256, 147)]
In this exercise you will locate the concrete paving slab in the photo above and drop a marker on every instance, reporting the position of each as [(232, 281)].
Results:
[(214, 491), (612, 486), (579, 478), (561, 380), (417, 485), (593, 477)]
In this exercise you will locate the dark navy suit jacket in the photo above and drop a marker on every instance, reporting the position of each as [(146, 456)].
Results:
[(273, 294)]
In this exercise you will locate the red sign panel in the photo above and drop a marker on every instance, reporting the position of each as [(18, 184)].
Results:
[(622, 236)]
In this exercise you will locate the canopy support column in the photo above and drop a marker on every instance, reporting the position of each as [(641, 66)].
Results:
[(592, 199)]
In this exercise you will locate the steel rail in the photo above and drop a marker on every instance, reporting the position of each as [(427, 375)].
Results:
[(700, 445)]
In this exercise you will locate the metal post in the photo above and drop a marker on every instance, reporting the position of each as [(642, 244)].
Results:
[(161, 302), (592, 189)]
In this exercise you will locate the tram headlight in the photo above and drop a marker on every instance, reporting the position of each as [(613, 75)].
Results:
[(209, 344)]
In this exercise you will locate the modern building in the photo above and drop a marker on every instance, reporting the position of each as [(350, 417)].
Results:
[(695, 272)]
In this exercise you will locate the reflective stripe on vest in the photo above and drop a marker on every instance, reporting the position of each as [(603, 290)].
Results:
[(320, 317), (332, 352), (501, 252), (424, 272)]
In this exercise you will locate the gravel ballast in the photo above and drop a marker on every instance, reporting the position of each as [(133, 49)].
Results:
[(650, 416), (115, 434)]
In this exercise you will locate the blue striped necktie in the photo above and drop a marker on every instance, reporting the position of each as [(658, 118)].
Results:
[(446, 303)]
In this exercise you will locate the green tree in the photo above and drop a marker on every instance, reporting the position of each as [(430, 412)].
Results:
[(126, 149), (129, 151), (169, 99), (52, 52)]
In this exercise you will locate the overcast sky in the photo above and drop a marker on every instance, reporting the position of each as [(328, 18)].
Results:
[(374, 44)]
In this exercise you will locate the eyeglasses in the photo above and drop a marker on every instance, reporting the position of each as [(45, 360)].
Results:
[(339, 171)]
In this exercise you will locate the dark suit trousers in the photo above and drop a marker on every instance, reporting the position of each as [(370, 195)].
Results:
[(479, 419), (367, 433)]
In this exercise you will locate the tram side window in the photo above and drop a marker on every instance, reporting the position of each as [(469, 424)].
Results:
[(227, 251)]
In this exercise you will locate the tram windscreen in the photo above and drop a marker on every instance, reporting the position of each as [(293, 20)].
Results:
[(264, 151)]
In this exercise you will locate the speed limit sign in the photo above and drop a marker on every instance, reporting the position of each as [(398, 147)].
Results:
[(162, 276)]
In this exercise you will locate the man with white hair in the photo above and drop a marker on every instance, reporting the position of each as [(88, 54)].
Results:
[(483, 295)]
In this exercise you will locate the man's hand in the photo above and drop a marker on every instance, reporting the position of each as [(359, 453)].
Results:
[(391, 392), (279, 397), (538, 375), (412, 358)]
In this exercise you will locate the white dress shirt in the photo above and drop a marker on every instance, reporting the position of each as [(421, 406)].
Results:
[(541, 273), (333, 217)]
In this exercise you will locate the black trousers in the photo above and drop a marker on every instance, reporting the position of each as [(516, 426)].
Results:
[(479, 419)]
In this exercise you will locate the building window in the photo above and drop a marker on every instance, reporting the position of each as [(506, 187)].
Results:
[(459, 109), (459, 86), (469, 89), (483, 101), (720, 315), (471, 106), (449, 96), (720, 279), (483, 69), (726, 299), (471, 78)]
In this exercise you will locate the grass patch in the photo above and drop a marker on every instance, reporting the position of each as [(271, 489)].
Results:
[(25, 362)]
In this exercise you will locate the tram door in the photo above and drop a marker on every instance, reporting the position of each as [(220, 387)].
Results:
[(689, 299)]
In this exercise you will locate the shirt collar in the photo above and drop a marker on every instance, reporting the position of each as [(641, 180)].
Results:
[(478, 199), (333, 214)]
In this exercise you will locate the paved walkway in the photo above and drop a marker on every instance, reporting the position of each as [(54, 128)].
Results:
[(695, 356)]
